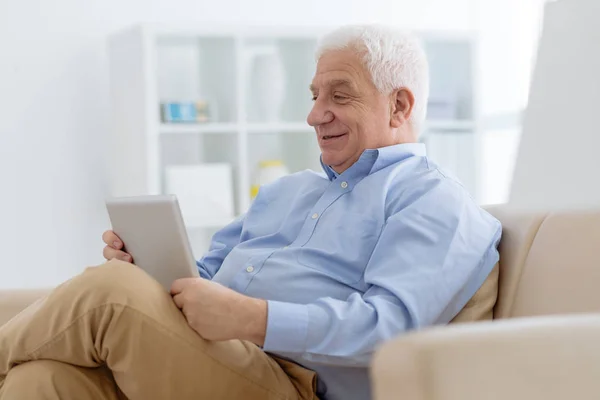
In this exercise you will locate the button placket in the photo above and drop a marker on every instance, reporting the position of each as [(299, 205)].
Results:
[(328, 198)]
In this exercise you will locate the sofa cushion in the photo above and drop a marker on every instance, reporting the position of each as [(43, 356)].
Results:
[(519, 229), (561, 274), (481, 305)]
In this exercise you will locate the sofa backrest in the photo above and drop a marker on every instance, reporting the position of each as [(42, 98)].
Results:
[(14, 301), (549, 263)]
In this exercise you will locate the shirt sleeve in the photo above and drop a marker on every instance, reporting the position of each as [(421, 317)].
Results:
[(221, 245), (430, 259)]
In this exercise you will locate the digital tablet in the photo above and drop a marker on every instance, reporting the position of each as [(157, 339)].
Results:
[(152, 229)]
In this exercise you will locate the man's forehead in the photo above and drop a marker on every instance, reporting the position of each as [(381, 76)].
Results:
[(331, 81), (338, 68)]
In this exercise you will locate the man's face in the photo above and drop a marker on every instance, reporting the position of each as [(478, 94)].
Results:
[(349, 114)]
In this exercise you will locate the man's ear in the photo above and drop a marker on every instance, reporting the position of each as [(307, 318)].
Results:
[(402, 103)]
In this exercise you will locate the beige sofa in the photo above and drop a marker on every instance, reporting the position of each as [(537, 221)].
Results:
[(550, 264), (549, 270)]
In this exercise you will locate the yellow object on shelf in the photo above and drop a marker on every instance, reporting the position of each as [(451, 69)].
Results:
[(270, 163), (267, 172)]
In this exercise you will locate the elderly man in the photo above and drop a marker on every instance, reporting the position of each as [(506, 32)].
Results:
[(296, 294)]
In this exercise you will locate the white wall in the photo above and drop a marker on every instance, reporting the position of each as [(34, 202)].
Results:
[(54, 109)]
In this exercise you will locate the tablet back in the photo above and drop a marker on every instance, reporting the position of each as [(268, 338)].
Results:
[(152, 229)]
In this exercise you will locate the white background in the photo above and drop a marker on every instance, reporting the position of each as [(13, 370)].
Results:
[(54, 102)]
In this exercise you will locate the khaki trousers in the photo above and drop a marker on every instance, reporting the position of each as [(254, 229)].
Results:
[(114, 333)]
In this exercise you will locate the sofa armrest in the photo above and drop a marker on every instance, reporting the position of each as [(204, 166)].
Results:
[(547, 358), (13, 302)]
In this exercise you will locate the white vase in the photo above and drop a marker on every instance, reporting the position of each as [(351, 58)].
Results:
[(267, 88)]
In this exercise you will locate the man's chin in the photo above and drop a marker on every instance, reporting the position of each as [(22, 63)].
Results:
[(329, 160)]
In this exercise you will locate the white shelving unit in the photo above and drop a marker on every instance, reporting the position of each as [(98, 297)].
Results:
[(150, 64)]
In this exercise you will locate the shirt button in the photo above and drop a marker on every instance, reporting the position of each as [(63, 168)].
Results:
[(315, 216), (250, 269), (344, 185)]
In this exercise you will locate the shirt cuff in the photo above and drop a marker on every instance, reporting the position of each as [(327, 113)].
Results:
[(287, 326)]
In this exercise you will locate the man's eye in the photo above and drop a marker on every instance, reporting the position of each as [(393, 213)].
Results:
[(338, 97), (314, 98)]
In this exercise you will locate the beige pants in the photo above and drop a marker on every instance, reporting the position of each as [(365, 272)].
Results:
[(114, 333)]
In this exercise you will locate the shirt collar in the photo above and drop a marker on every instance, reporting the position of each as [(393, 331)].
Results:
[(374, 160), (331, 174)]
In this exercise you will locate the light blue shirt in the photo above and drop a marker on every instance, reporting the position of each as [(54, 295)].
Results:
[(349, 261)]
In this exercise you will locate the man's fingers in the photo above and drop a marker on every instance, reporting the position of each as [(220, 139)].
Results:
[(178, 299), (110, 254), (111, 239), (178, 285)]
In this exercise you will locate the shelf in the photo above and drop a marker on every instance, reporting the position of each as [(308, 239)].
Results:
[(450, 125), (280, 127), (289, 127), (197, 223), (218, 128), (208, 128)]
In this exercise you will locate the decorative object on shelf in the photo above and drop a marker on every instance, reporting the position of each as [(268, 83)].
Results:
[(267, 86), (188, 111), (204, 191), (267, 172)]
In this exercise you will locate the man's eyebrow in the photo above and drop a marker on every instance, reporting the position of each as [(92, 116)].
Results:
[(340, 82), (333, 83)]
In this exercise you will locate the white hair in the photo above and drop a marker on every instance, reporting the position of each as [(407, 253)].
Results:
[(394, 58)]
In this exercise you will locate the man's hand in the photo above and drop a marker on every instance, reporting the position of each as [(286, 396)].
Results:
[(219, 313), (113, 247)]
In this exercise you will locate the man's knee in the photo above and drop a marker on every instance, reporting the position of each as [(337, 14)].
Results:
[(116, 282), (48, 379), (34, 378)]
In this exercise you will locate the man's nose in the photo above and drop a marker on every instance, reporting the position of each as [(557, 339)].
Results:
[(320, 114)]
